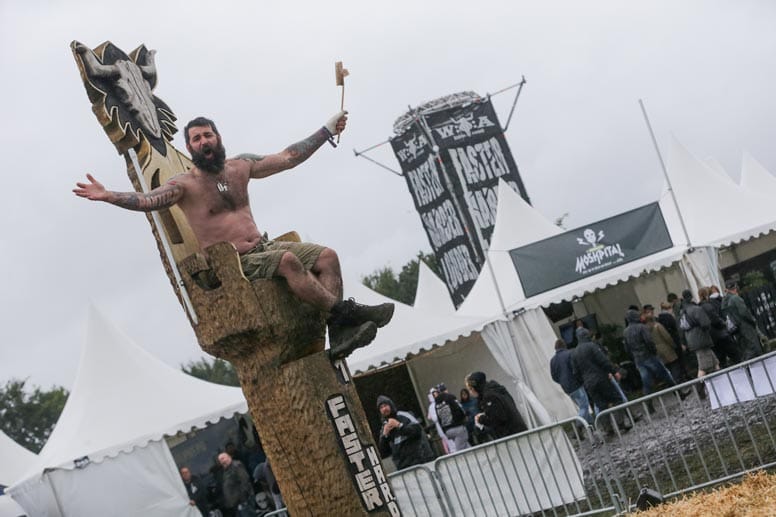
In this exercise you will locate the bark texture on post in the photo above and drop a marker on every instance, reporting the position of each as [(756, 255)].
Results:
[(276, 344)]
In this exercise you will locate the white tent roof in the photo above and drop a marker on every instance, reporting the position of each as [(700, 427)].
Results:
[(697, 186), (14, 460), (432, 295), (411, 330), (123, 397), (756, 179), (517, 224), (699, 189)]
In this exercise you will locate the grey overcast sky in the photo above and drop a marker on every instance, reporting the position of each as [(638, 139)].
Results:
[(264, 72)]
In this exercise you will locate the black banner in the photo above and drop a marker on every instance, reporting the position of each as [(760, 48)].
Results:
[(452, 160), (442, 220), (475, 154), (591, 249)]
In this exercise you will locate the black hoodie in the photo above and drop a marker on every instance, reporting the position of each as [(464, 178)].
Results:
[(501, 417), (407, 444)]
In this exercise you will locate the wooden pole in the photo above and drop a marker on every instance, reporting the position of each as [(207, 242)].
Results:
[(306, 409), (339, 75)]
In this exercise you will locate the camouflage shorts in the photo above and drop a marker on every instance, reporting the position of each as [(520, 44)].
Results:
[(263, 260)]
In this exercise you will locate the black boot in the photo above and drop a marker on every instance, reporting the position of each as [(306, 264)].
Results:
[(348, 312), (343, 340)]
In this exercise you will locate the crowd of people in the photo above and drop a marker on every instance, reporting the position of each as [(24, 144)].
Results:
[(231, 490), (689, 337), (485, 411)]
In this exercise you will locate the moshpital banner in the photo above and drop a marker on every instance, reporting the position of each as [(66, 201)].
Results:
[(452, 160), (591, 249)]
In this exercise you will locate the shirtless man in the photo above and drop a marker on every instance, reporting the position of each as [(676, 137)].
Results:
[(214, 197)]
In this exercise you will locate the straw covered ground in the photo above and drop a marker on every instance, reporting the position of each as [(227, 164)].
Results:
[(755, 496)]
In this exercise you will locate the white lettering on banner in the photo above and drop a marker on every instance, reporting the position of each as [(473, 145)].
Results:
[(458, 266), (599, 257), (365, 467), (412, 148), (479, 162), (425, 183), (464, 127), (482, 206), (442, 224)]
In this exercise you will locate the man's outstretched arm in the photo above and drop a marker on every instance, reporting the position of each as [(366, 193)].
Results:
[(159, 198), (294, 154)]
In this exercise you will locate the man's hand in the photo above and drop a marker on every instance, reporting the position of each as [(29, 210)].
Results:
[(477, 417), (92, 190), (390, 425), (336, 124)]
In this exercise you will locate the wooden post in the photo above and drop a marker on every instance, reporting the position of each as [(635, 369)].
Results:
[(306, 409)]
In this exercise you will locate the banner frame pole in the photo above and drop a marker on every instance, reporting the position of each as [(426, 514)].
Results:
[(514, 103)]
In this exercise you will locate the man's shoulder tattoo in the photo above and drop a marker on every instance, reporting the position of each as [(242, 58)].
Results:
[(250, 157)]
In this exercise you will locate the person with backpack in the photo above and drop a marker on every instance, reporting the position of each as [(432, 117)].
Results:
[(725, 347), (743, 324), (641, 346), (695, 323), (452, 418)]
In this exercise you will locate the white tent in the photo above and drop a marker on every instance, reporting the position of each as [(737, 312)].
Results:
[(107, 454), (14, 460), (756, 179), (514, 328), (430, 323), (742, 214), (412, 330)]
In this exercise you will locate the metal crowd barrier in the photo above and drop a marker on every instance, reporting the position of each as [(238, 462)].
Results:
[(688, 437), (536, 472), (694, 435)]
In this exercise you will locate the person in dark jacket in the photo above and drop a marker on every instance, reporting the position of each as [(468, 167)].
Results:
[(725, 347), (695, 323), (639, 342), (402, 436), (194, 489), (595, 371), (237, 488), (734, 307), (452, 419), (471, 408), (562, 373), (667, 319), (498, 412)]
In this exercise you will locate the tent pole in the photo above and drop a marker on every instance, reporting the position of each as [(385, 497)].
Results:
[(665, 173), (414, 382)]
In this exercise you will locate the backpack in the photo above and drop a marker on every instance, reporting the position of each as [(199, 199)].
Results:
[(730, 324), (684, 322)]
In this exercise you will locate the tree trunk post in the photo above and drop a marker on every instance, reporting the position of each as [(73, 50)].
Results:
[(305, 407)]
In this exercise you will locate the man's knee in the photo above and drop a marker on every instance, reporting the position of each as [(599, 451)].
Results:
[(327, 260), (289, 265)]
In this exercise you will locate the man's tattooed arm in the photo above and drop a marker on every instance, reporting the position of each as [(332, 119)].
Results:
[(159, 198), (300, 151), (291, 156)]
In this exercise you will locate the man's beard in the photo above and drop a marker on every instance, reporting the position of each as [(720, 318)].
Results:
[(215, 163)]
